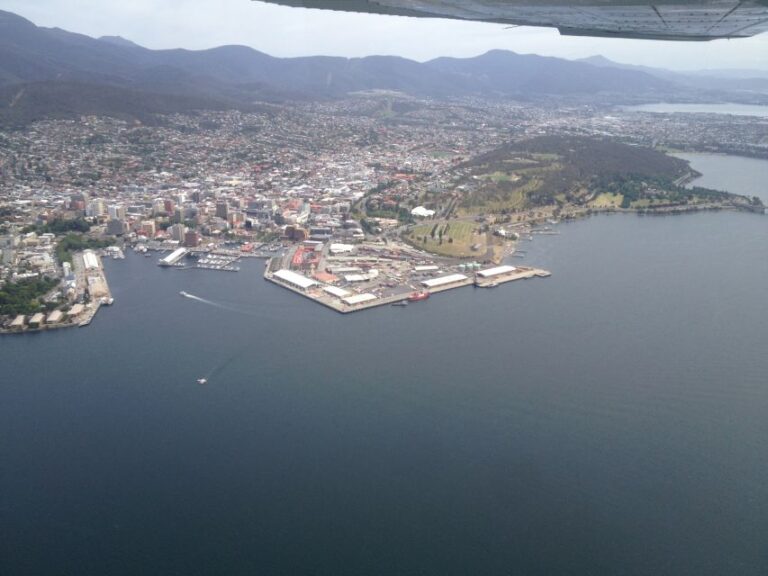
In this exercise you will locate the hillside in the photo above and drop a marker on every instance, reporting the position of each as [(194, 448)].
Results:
[(52, 61), (572, 171)]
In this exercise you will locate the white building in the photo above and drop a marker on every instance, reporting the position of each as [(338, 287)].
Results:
[(421, 212), (296, 280), (497, 271), (90, 260), (443, 281)]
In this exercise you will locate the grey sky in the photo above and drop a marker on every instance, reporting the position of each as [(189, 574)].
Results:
[(280, 31)]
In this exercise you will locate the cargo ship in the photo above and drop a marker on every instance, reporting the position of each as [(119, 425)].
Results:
[(416, 296)]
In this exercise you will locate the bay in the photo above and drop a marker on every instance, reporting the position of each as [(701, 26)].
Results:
[(736, 174), (724, 108), (611, 419)]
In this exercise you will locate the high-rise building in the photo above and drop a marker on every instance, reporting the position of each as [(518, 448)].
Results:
[(117, 227), (116, 212), (191, 239), (177, 232), (148, 228), (158, 206), (222, 209), (95, 208)]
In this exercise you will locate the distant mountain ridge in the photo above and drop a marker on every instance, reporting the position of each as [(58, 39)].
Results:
[(54, 61), (755, 81)]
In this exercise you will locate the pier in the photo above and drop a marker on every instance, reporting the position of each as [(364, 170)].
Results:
[(345, 301)]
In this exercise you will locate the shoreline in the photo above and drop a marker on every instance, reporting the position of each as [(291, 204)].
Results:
[(336, 304), (85, 317), (89, 278)]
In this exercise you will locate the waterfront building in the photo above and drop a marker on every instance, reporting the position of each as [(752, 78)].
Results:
[(294, 279), (90, 260), (191, 239), (55, 317), (37, 320), (444, 281)]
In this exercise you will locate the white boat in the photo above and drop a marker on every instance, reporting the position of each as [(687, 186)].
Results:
[(202, 381)]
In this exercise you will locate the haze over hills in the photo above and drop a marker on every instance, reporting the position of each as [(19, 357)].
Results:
[(49, 72), (718, 81)]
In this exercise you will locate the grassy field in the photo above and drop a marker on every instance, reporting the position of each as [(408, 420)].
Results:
[(503, 177), (508, 190), (607, 200), (516, 200), (457, 239)]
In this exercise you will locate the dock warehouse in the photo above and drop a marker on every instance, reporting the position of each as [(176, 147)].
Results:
[(497, 271), (173, 257), (294, 279), (359, 299), (338, 292), (55, 317), (90, 261), (426, 268), (443, 281)]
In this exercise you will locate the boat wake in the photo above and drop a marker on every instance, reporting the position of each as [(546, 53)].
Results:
[(223, 364), (221, 305)]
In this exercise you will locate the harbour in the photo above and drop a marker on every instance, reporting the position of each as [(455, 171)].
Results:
[(550, 395), (370, 276)]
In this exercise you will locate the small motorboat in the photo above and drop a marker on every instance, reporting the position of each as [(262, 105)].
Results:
[(202, 380)]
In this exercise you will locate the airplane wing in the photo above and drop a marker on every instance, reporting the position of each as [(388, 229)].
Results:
[(659, 19)]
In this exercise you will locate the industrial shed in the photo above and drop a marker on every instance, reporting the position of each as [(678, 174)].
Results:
[(294, 279), (359, 299), (443, 281), (497, 271), (338, 292)]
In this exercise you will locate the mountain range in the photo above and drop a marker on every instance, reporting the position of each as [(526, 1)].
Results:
[(49, 72)]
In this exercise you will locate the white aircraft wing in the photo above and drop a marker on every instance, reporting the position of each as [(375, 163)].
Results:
[(659, 20)]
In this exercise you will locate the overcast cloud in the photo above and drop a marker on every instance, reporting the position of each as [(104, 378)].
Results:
[(280, 31)]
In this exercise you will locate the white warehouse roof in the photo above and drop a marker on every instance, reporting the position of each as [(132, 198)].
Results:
[(356, 278), (435, 282), (90, 261), (359, 299), (338, 292), (496, 271), (295, 279), (341, 248), (174, 256)]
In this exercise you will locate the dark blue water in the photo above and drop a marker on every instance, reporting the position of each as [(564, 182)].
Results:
[(612, 419), (748, 176)]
